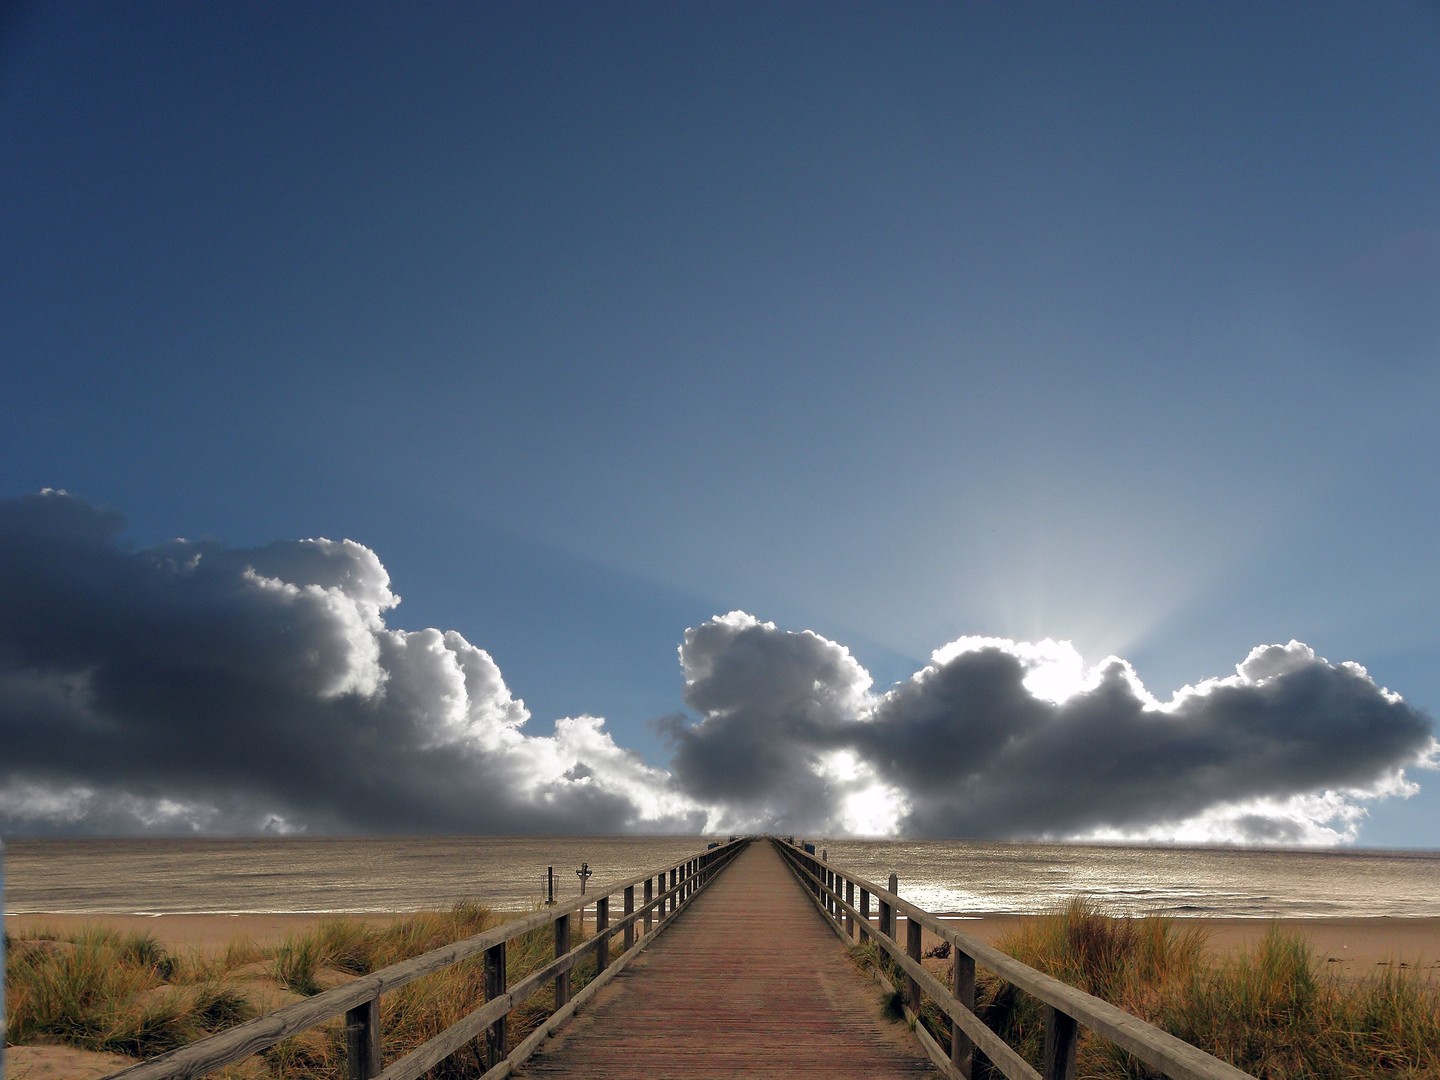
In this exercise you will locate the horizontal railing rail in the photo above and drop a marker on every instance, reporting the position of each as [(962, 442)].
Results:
[(664, 893), (1067, 1008)]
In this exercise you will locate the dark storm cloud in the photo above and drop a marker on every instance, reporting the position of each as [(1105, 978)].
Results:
[(772, 702), (191, 685), (1105, 759), (194, 686), (1282, 750)]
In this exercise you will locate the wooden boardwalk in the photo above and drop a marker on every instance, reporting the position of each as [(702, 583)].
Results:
[(749, 982), (746, 980)]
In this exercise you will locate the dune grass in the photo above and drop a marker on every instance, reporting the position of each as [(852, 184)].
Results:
[(1270, 1010), (111, 991), (100, 989)]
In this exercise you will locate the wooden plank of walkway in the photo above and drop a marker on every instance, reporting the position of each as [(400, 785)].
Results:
[(750, 981)]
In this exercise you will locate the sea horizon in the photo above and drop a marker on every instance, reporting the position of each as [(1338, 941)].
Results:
[(348, 874)]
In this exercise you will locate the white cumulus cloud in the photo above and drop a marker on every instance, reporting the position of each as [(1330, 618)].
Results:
[(195, 687)]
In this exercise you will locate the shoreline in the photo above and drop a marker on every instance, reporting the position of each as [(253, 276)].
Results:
[(1352, 946)]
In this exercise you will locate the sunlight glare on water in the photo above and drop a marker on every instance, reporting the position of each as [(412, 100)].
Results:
[(508, 873), (975, 877)]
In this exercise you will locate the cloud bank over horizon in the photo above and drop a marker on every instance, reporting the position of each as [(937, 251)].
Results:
[(192, 687)]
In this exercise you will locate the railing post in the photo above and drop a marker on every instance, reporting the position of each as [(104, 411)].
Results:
[(602, 934), (674, 888), (849, 903), (894, 890), (362, 1040), (865, 930), (1060, 1032), (562, 946), (913, 932), (962, 1050), (497, 1043), (629, 910), (649, 897)]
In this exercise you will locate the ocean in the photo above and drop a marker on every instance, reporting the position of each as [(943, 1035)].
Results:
[(306, 874)]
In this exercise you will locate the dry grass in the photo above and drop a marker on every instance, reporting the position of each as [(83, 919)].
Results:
[(109, 991), (1269, 1010), (99, 989)]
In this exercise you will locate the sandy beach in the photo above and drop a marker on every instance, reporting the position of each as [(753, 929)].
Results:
[(1353, 947)]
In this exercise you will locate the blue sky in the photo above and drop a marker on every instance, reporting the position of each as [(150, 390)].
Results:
[(899, 323)]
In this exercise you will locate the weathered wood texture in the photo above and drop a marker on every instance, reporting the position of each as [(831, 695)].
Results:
[(749, 982), (357, 1000)]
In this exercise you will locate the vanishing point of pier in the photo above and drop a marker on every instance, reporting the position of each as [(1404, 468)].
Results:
[(748, 983), (724, 964)]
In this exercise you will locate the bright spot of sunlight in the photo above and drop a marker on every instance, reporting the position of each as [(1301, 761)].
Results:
[(868, 807)]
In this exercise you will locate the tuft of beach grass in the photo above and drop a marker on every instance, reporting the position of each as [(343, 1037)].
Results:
[(101, 989), (1270, 1010)]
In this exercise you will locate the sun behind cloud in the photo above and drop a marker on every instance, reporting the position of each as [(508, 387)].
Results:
[(192, 687)]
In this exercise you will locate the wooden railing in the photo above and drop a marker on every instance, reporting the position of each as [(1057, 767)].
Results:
[(1066, 1008), (663, 893)]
